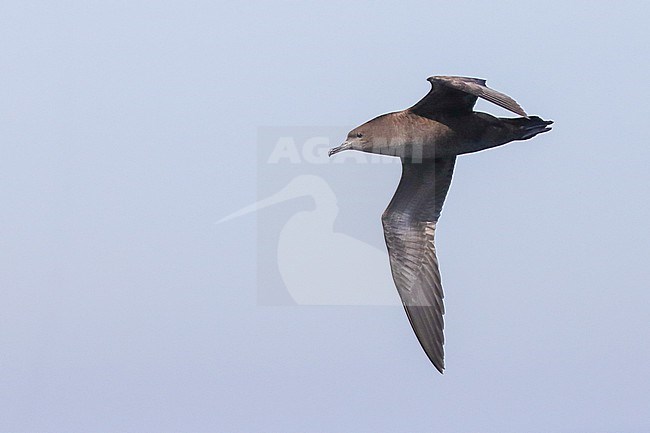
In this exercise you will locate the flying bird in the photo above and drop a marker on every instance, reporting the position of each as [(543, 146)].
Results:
[(427, 137)]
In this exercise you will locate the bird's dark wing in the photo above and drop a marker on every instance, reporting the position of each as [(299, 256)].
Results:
[(457, 95), (409, 228)]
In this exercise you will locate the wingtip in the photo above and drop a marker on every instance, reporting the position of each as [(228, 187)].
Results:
[(433, 78), (461, 77)]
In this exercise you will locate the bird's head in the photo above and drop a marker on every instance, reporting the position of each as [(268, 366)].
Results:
[(357, 139)]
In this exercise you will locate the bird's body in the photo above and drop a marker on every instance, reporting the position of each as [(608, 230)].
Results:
[(409, 135), (428, 137)]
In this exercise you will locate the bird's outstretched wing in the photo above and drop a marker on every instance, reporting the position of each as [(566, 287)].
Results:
[(409, 228), (457, 95)]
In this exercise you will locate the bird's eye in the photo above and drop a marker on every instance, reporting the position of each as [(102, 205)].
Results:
[(359, 135)]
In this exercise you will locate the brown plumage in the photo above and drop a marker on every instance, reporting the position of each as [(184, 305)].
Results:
[(427, 137)]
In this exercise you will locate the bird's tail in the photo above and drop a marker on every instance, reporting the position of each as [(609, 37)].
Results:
[(528, 127)]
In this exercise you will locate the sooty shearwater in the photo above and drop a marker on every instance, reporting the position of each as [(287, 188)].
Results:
[(427, 137)]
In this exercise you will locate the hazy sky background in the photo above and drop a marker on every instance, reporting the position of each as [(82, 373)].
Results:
[(128, 128)]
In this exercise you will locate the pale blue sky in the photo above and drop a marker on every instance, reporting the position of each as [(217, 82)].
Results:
[(129, 128)]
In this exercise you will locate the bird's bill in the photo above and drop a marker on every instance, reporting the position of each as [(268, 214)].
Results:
[(345, 146)]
